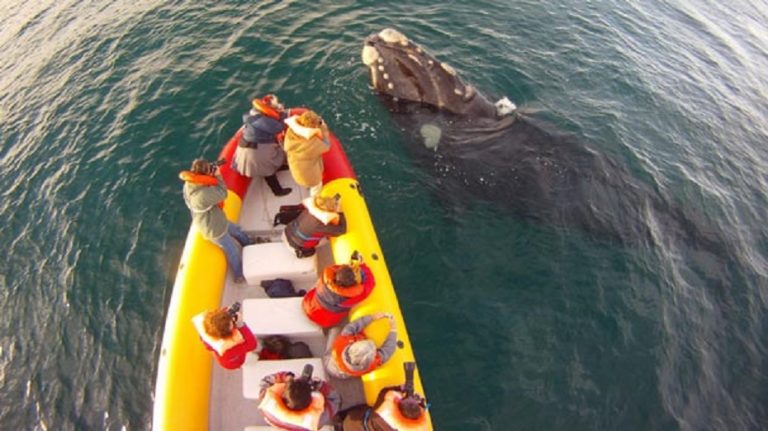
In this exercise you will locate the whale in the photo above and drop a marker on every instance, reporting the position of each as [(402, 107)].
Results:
[(478, 149)]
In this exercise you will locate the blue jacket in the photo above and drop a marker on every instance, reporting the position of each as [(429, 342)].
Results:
[(258, 128)]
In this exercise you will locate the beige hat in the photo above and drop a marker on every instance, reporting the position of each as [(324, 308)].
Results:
[(360, 355)]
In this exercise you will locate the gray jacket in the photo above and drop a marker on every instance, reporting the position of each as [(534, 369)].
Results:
[(202, 201)]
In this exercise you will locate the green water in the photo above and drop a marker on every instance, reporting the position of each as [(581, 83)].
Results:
[(515, 324)]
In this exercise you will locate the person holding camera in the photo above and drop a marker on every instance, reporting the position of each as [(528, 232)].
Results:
[(396, 408), (260, 152), (303, 403), (352, 354), (321, 218), (340, 288), (306, 139), (204, 194), (228, 337)]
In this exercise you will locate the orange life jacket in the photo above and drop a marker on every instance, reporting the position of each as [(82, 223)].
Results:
[(200, 180), (265, 108), (340, 344), (329, 274), (277, 414), (389, 410)]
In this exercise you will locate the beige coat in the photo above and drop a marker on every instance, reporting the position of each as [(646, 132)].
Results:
[(304, 148)]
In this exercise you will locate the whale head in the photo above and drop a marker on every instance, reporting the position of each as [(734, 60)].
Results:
[(405, 71)]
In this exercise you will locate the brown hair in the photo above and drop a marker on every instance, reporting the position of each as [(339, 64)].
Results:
[(310, 119), (298, 394), (218, 323), (410, 408), (345, 276), (200, 166)]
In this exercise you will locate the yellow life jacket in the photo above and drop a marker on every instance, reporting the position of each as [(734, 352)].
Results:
[(277, 414), (390, 412)]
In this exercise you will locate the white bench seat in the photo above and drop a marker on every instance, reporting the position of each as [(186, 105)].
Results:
[(283, 316), (271, 260), (253, 372)]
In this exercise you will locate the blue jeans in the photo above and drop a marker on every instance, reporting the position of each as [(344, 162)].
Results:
[(232, 243)]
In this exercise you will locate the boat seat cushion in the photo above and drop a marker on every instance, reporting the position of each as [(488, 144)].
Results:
[(253, 372), (264, 315), (271, 260)]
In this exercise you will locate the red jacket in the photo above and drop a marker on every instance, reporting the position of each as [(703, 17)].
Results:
[(233, 358)]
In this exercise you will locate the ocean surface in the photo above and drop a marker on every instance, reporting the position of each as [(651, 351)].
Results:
[(516, 325)]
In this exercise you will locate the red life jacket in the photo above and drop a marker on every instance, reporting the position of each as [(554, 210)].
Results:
[(328, 303)]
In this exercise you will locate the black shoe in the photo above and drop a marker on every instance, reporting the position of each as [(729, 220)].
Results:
[(275, 186), (304, 252)]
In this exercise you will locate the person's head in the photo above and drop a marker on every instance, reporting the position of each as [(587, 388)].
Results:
[(310, 119), (298, 394), (219, 323), (267, 103), (346, 276), (410, 407), (360, 354), (201, 166)]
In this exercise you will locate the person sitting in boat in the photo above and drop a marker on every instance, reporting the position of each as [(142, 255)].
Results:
[(321, 218), (204, 194), (352, 354), (221, 333), (303, 403), (259, 152), (396, 408), (339, 289), (306, 140)]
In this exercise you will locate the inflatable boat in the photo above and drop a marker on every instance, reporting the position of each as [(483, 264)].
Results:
[(192, 391)]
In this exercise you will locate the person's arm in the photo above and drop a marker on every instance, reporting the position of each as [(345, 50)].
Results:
[(334, 229), (332, 397), (267, 381), (356, 326), (250, 340), (326, 136), (390, 344)]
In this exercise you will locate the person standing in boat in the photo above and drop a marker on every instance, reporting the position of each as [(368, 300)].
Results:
[(221, 333), (204, 194), (259, 152), (306, 140), (322, 217), (298, 403), (352, 354), (339, 289)]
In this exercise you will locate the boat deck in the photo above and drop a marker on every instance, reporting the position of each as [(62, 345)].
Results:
[(234, 392)]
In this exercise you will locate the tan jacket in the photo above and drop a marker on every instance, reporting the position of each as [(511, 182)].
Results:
[(304, 148)]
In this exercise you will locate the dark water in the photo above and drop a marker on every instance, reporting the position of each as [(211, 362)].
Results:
[(516, 325)]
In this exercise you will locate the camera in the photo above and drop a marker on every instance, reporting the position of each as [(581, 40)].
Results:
[(409, 367), (233, 309), (212, 166), (306, 373)]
